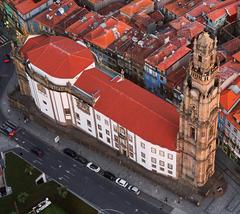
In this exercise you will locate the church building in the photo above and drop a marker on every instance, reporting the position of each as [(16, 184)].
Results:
[(61, 78)]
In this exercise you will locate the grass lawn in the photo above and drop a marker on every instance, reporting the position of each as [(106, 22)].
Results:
[(22, 182), (52, 209)]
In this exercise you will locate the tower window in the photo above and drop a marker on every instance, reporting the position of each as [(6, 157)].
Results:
[(192, 133), (199, 58)]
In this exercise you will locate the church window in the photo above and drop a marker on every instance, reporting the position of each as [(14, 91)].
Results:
[(199, 58), (153, 150), (193, 133)]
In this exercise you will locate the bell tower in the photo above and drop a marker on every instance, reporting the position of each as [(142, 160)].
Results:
[(196, 141)]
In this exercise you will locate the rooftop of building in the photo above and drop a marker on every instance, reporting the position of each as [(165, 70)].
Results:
[(135, 7), (111, 8), (231, 95), (181, 7), (106, 33), (85, 24), (57, 12), (236, 56), (131, 106), (168, 54), (59, 57), (26, 6), (234, 116), (228, 69)]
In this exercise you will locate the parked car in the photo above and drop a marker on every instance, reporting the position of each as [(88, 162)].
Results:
[(134, 189), (6, 58), (121, 182), (93, 167), (109, 175), (37, 151), (8, 131), (81, 159), (70, 152)]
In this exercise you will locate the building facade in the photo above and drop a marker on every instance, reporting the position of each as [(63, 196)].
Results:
[(199, 114)]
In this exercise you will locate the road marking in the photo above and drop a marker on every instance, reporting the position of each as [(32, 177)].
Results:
[(66, 176), (37, 161), (59, 166)]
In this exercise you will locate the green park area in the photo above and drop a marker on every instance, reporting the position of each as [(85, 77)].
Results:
[(20, 176)]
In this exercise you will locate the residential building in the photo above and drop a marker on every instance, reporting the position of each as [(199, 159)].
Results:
[(229, 121), (19, 15), (56, 19)]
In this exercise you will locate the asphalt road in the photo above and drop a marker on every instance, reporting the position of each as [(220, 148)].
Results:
[(94, 188)]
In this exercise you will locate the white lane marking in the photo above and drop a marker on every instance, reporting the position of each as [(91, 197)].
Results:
[(37, 161), (66, 176), (70, 173)]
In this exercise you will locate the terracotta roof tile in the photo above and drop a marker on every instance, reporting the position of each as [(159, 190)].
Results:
[(58, 56), (131, 107), (107, 32), (236, 56)]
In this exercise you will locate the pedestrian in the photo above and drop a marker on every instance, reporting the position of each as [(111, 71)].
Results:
[(166, 200)]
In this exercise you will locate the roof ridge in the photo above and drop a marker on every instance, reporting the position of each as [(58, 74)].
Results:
[(124, 94)]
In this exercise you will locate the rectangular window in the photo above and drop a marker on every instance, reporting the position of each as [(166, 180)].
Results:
[(89, 123), (100, 135), (67, 111), (153, 150), (153, 160), (170, 166), (161, 163), (130, 138), (161, 153), (192, 133), (143, 160), (116, 145), (83, 106), (106, 123), (154, 166), (161, 168), (98, 117), (170, 172), (229, 125), (107, 132), (99, 127), (44, 102), (131, 154), (170, 156), (143, 155), (108, 140), (115, 128), (116, 138), (130, 148), (77, 116), (142, 145), (235, 130), (90, 130)]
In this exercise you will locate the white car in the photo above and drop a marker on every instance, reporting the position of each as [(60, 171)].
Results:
[(93, 167), (134, 189), (121, 182)]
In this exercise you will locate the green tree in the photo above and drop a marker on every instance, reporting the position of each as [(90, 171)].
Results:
[(22, 197), (62, 191)]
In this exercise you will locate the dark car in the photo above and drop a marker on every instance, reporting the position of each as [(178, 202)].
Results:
[(81, 159), (6, 58), (109, 175), (37, 151), (70, 152)]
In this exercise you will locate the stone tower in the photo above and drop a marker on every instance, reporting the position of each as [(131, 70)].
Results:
[(197, 134)]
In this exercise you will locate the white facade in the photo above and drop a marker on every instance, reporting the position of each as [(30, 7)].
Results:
[(68, 109)]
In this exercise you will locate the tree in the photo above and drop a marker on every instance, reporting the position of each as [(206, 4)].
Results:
[(22, 197), (62, 191)]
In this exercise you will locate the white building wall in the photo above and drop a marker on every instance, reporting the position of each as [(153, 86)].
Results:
[(85, 121), (155, 158), (103, 127), (58, 106), (114, 134)]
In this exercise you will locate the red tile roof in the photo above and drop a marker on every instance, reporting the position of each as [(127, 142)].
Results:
[(191, 30), (234, 116), (228, 69), (236, 56), (26, 6), (56, 13), (132, 107), (179, 23), (137, 6), (84, 25), (107, 33), (58, 56), (230, 95), (173, 58)]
